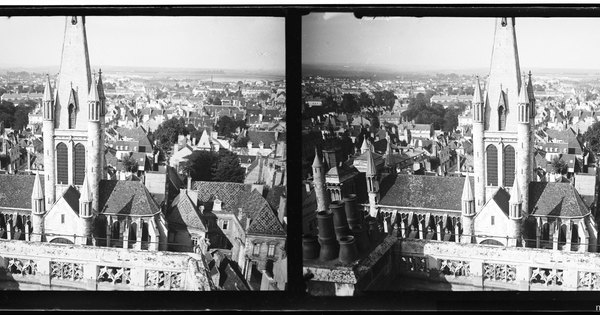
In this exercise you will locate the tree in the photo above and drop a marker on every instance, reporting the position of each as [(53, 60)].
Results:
[(559, 166), (226, 126), (227, 168), (130, 164), (199, 165), (168, 132), (592, 137)]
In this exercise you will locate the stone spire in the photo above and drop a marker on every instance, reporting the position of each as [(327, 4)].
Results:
[(371, 169), (524, 95), (477, 97), (515, 194), (505, 73), (48, 97), (317, 162), (467, 194), (38, 192), (93, 96), (365, 145), (86, 194)]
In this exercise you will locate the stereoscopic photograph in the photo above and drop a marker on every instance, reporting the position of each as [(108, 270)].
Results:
[(143, 153), (449, 154)]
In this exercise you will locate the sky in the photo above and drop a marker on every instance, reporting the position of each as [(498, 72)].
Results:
[(238, 43), (446, 43)]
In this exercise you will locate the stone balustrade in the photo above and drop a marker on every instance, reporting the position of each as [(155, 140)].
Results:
[(59, 266)]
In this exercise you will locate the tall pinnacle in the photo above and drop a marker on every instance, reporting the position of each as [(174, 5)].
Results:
[(515, 194), (477, 94), (38, 192), (86, 194), (371, 169), (48, 97), (467, 194)]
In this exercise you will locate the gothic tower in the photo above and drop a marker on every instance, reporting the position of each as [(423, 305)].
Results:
[(85, 212), (37, 209), (72, 128), (514, 214), (501, 136)]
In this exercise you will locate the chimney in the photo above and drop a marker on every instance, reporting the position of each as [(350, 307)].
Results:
[(348, 251), (329, 245), (216, 205), (340, 222), (352, 214)]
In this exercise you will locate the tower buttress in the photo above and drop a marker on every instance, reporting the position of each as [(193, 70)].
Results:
[(94, 152), (86, 213), (38, 209), (48, 139), (319, 183), (467, 212), (514, 214), (372, 184), (524, 172), (478, 146)]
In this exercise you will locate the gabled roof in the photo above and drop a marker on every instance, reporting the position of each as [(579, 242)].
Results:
[(421, 191), (501, 197), (71, 196), (555, 199), (183, 212), (15, 190), (126, 198)]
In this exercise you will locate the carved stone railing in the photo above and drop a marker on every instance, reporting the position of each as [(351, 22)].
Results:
[(499, 272), (114, 275), (456, 268), (588, 280), (546, 276), (164, 280), (66, 271), (23, 267), (413, 264)]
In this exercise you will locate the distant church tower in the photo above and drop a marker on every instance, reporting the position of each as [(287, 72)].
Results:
[(502, 132), (73, 117)]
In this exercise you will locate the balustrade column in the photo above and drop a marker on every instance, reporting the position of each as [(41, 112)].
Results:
[(403, 232), (538, 233), (8, 230), (420, 226), (126, 234), (138, 234), (555, 234), (456, 233), (438, 230), (568, 236), (109, 226)]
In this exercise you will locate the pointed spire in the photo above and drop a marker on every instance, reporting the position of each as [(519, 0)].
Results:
[(38, 192), (371, 170), (523, 95), (515, 196), (93, 96), (477, 94), (365, 145), (530, 87), (467, 194), (502, 101), (48, 97), (317, 162), (100, 85), (86, 194)]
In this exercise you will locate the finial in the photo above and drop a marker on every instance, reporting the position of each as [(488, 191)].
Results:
[(530, 73)]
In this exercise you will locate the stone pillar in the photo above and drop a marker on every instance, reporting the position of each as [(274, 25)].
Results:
[(555, 234), (421, 232), (27, 235), (438, 230), (538, 233), (568, 236), (8, 230), (403, 232), (109, 223), (456, 233), (125, 234), (138, 235)]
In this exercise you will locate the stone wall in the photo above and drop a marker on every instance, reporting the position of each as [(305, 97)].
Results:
[(59, 266), (484, 266)]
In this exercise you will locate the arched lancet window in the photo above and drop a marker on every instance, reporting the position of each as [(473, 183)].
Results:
[(79, 164), (501, 118), (71, 116), (492, 165), (62, 164), (509, 165)]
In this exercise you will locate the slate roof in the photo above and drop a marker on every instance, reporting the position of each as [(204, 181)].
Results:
[(71, 196), (502, 199), (555, 199), (184, 213), (267, 137), (126, 198), (421, 191), (234, 196), (137, 133), (15, 190)]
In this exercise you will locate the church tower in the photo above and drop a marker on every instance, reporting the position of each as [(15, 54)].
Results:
[(72, 128), (501, 137)]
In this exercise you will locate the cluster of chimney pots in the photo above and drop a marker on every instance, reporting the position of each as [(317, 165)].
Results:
[(344, 233)]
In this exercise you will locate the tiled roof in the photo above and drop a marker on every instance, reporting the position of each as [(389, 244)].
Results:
[(555, 199), (184, 213), (137, 133), (502, 198), (15, 190), (234, 196), (126, 198), (267, 137), (421, 191)]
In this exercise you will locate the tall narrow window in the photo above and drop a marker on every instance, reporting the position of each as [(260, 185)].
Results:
[(79, 164), (62, 164), (256, 249), (71, 116), (492, 165), (501, 118), (271, 251), (509, 165), (62, 219)]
